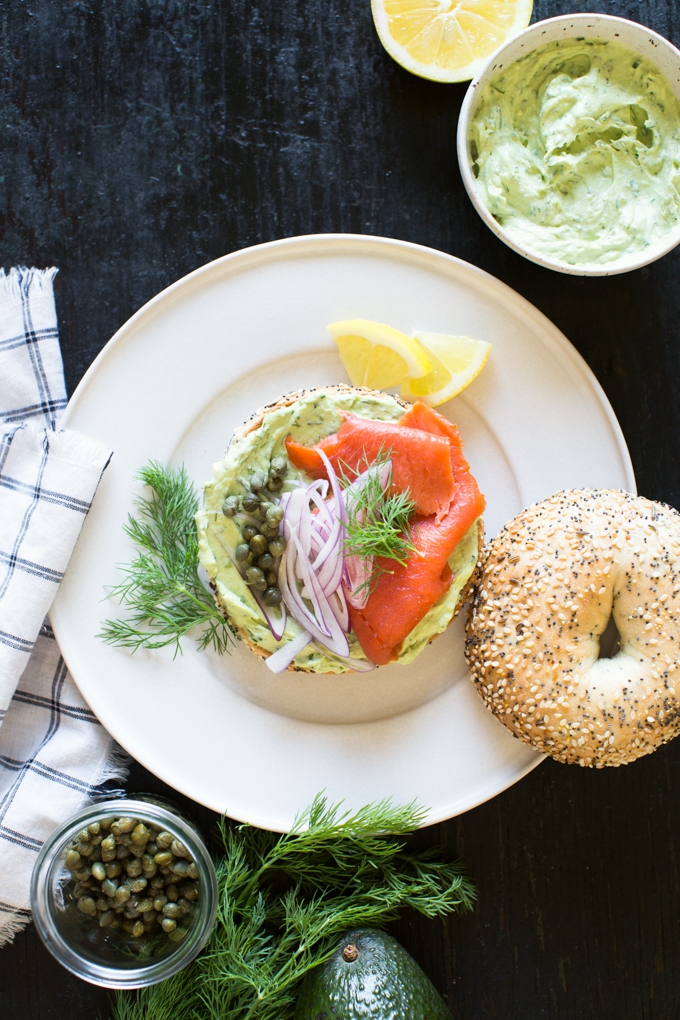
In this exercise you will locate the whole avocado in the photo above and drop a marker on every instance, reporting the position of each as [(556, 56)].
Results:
[(369, 977)]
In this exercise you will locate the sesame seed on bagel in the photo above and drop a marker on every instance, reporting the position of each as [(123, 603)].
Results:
[(549, 584)]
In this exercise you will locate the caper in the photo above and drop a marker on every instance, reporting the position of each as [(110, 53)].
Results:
[(272, 579), (164, 840), (151, 848), (114, 869), (145, 906), (137, 929), (265, 561), (230, 506), (87, 905), (265, 506), (137, 884), (123, 825), (96, 855), (242, 552), (259, 545), (189, 890), (159, 901), (109, 886), (168, 925), (180, 868), (158, 882), (249, 531), (277, 545), (98, 871), (163, 857), (258, 481), (193, 871), (172, 910), (274, 514), (172, 892), (140, 834), (106, 918), (184, 906), (83, 836), (108, 844), (149, 915), (122, 894), (122, 853), (254, 577), (270, 532), (250, 502), (84, 849), (274, 484), (124, 840), (72, 860), (279, 466), (102, 904), (133, 868), (105, 824), (82, 874), (272, 596)]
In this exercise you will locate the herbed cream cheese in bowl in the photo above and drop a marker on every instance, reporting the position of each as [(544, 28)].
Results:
[(569, 145)]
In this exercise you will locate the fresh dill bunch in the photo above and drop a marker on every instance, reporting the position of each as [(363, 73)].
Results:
[(378, 525), (285, 900), (161, 589)]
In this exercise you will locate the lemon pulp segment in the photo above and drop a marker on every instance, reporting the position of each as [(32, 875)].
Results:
[(456, 361), (377, 355)]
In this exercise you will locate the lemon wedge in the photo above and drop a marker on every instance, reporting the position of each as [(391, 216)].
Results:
[(447, 40), (377, 355), (456, 361)]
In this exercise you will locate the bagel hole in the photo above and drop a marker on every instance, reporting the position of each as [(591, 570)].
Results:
[(610, 640)]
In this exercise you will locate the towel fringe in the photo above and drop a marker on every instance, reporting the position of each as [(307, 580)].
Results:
[(21, 281), (11, 925), (116, 769)]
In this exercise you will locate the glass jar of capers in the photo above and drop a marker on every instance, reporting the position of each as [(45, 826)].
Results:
[(257, 509), (124, 894)]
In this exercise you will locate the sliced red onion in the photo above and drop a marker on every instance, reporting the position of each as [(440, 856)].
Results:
[(283, 656), (322, 622), (358, 665)]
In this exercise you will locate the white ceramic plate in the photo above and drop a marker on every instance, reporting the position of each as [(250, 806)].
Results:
[(173, 383)]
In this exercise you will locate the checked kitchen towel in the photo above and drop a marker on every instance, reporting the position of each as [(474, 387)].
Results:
[(54, 755)]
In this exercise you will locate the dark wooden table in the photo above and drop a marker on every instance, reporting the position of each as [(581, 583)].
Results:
[(142, 138)]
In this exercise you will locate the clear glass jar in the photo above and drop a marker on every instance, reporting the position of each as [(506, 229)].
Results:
[(108, 956)]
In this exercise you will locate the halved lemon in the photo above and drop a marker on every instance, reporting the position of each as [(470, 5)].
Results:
[(456, 361), (377, 355), (447, 40)]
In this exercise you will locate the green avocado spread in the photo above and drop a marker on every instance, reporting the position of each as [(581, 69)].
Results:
[(308, 420), (576, 150)]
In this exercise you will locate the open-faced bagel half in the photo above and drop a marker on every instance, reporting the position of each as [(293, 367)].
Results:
[(256, 436), (548, 586)]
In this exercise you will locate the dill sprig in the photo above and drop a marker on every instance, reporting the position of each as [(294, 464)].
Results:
[(378, 524), (284, 901), (161, 590)]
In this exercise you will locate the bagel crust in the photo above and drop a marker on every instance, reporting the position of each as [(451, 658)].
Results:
[(548, 585)]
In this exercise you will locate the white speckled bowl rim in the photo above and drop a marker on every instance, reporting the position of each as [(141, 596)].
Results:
[(599, 26)]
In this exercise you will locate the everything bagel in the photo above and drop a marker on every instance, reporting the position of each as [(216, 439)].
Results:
[(549, 584)]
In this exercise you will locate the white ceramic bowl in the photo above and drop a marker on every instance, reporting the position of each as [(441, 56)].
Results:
[(596, 26)]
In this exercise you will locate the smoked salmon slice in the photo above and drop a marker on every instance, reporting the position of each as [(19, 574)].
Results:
[(448, 502), (403, 595), (421, 460)]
